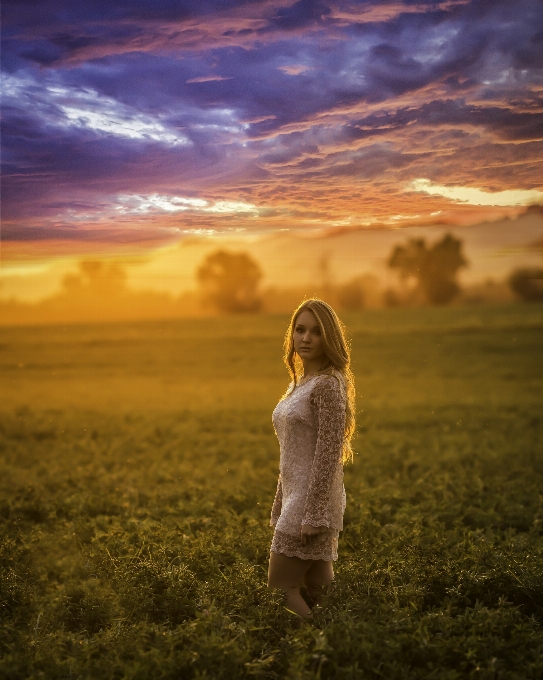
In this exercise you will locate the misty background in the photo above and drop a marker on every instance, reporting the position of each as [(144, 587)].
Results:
[(201, 276)]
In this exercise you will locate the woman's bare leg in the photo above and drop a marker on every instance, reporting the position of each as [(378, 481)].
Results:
[(287, 573), (317, 579)]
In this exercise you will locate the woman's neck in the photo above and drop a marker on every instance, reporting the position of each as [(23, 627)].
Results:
[(312, 368)]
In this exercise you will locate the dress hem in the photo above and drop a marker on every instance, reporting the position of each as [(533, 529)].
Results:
[(323, 547), (313, 558)]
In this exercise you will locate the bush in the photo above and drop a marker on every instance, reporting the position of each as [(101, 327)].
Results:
[(527, 283)]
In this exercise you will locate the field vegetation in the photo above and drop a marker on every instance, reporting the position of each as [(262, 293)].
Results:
[(138, 465)]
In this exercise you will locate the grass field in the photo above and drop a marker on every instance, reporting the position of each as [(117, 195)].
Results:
[(138, 465)]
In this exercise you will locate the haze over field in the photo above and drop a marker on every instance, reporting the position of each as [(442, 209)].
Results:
[(130, 126)]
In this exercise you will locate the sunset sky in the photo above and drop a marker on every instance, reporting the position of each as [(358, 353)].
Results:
[(129, 125)]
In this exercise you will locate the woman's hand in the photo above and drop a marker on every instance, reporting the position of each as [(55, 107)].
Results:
[(308, 532)]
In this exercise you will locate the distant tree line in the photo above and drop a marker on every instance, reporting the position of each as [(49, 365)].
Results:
[(98, 291), (229, 282)]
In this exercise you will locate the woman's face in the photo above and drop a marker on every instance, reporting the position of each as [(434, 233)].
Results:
[(307, 338)]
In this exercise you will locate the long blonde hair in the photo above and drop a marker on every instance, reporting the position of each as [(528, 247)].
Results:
[(338, 354)]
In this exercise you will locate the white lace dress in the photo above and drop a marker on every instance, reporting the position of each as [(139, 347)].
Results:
[(310, 424)]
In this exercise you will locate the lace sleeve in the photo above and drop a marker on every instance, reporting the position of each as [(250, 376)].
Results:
[(277, 503), (328, 405)]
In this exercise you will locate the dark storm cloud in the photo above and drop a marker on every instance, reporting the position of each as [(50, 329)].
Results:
[(508, 125), (207, 96), (299, 15), (31, 13)]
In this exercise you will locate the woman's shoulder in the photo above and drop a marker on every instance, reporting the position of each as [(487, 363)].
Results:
[(332, 384)]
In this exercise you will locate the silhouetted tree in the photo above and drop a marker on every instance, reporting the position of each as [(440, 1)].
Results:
[(229, 281), (527, 283), (435, 269)]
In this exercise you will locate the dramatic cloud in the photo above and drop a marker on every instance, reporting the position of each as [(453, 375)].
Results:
[(139, 120)]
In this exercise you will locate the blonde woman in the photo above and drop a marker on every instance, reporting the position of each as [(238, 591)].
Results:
[(314, 422)]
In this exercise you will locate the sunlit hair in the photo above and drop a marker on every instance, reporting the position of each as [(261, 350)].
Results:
[(338, 359)]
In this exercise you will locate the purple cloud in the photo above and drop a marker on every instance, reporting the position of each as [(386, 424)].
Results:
[(198, 99)]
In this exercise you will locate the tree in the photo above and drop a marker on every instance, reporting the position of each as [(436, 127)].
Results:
[(96, 279), (229, 282), (435, 269), (527, 283)]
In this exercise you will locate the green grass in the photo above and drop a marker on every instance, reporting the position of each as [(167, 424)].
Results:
[(138, 465)]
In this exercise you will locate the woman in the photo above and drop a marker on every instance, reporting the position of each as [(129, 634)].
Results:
[(314, 422)]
